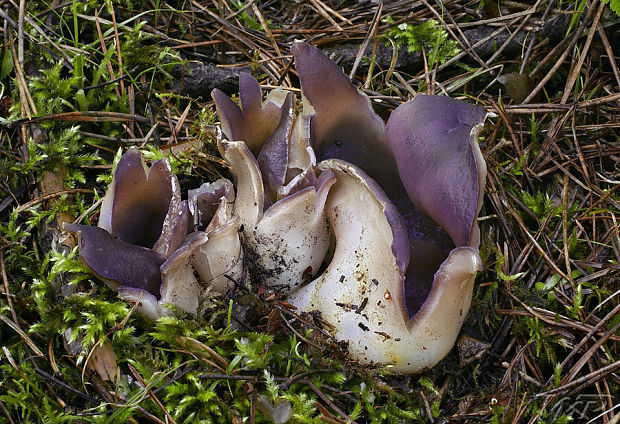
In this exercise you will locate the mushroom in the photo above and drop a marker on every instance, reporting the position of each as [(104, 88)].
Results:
[(219, 260), (143, 206), (400, 282), (142, 248), (279, 198), (258, 120), (361, 292)]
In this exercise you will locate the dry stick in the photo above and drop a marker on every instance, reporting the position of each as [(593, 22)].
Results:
[(601, 396), (530, 47), (24, 336), (615, 242), (610, 53), (562, 58), (305, 321), (7, 291), (535, 108), (229, 377), (584, 381), (552, 108), (551, 318), (327, 400), (561, 167), (101, 390), (131, 96), (239, 35), (371, 32), (252, 404), (600, 100), (26, 100), (138, 377), (88, 116), (553, 129), (320, 8), (524, 229), (24, 377), (371, 65), (200, 348), (171, 126), (182, 119), (521, 409), (479, 43), (548, 56), (582, 160), (149, 134), (268, 31), (7, 21), (526, 252), (243, 9), (405, 84), (510, 366), (65, 386), (565, 232), (493, 192), (196, 44), (575, 71), (20, 32), (104, 49), (326, 416), (434, 78), (118, 47), (108, 82), (335, 13), (513, 17), (583, 360), (6, 413), (504, 119), (512, 36), (549, 260), (49, 196), (609, 398), (176, 377), (529, 360), (615, 419), (46, 37), (315, 31), (600, 200), (274, 43), (301, 337)]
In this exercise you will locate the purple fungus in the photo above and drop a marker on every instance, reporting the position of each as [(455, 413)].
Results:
[(179, 286), (360, 292), (413, 275), (137, 201), (279, 197), (273, 157), (284, 237), (142, 247), (344, 125), (116, 262), (205, 201), (218, 261), (257, 120), (440, 164)]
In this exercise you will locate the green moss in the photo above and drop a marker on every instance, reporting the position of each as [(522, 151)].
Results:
[(428, 35)]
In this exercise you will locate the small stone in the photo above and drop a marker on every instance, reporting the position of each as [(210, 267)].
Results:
[(471, 349)]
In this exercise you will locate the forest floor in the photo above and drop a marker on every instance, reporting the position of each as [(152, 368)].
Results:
[(82, 81)]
